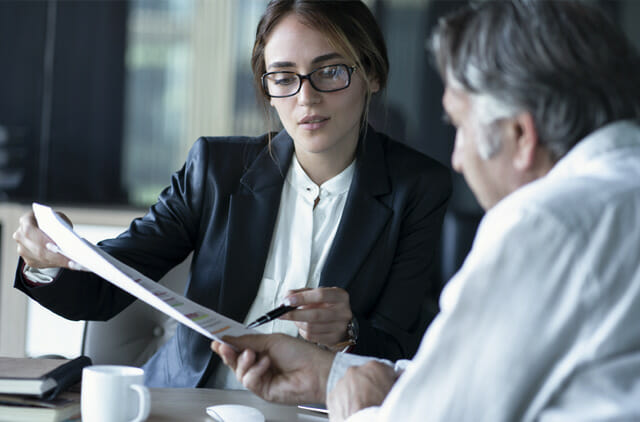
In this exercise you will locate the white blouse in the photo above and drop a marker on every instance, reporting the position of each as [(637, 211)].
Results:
[(301, 241)]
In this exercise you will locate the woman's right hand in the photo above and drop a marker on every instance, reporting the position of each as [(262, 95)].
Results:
[(36, 248)]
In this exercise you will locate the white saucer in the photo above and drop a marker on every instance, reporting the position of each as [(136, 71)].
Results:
[(234, 413)]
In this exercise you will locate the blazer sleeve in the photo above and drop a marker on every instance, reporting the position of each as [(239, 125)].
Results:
[(153, 245)]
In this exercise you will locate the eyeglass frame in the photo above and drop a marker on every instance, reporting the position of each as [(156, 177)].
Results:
[(350, 70)]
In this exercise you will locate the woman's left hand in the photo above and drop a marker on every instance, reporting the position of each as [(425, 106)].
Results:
[(322, 315)]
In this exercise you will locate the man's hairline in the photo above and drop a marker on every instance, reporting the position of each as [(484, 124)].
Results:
[(486, 110)]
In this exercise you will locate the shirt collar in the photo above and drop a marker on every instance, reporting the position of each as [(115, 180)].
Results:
[(612, 137), (301, 182)]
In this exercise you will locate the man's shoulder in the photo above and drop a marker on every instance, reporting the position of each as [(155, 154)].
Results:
[(576, 202), (599, 175)]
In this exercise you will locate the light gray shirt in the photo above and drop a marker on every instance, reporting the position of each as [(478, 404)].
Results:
[(542, 322)]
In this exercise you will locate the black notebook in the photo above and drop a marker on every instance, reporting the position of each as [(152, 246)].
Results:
[(39, 377)]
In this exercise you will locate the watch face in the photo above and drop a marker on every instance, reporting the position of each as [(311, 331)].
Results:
[(352, 329)]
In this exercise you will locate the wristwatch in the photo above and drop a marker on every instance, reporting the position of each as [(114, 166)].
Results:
[(353, 330), (347, 345)]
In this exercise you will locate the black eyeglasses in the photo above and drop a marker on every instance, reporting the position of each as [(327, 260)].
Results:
[(330, 78)]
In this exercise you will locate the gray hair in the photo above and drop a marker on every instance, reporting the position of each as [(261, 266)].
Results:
[(564, 62)]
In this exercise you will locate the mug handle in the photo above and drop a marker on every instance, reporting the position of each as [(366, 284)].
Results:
[(144, 401)]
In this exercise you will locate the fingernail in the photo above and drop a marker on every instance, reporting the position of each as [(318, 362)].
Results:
[(290, 301)]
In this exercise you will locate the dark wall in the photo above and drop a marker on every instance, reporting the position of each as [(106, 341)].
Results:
[(21, 48), (61, 98)]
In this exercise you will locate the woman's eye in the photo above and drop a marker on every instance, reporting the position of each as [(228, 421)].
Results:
[(288, 80), (329, 73)]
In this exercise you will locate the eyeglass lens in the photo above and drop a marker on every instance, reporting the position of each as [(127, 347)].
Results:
[(324, 79)]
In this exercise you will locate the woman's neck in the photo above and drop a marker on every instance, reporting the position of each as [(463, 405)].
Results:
[(322, 167)]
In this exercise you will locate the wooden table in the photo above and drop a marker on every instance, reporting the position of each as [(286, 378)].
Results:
[(188, 405)]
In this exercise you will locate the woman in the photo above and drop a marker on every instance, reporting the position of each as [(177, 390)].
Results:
[(328, 214)]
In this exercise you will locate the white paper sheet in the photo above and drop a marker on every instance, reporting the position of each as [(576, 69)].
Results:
[(205, 321)]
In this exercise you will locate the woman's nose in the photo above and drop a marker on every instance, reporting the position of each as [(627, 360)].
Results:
[(308, 94)]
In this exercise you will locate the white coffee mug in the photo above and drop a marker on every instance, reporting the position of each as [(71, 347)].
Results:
[(113, 393)]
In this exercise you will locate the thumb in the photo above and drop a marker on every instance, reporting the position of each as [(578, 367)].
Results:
[(255, 342)]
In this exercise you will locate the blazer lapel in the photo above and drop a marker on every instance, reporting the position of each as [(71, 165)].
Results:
[(252, 216), (365, 214)]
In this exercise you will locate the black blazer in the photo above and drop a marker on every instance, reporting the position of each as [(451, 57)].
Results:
[(223, 204)]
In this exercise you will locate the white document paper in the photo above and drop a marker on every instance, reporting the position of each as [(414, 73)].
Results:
[(205, 321)]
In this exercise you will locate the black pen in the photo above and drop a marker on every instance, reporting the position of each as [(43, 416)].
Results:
[(271, 315)]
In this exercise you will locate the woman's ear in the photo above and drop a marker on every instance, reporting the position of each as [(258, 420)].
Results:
[(374, 86)]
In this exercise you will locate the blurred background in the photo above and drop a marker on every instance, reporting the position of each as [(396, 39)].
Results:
[(100, 100)]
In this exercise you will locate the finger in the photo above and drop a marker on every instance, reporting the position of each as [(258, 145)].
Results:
[(27, 220), (323, 329), (325, 314), (381, 370), (35, 247), (226, 353), (229, 356), (215, 346), (25, 237), (36, 254), (328, 334), (253, 379), (257, 342), (293, 291), (52, 247), (244, 362), (319, 295), (28, 228)]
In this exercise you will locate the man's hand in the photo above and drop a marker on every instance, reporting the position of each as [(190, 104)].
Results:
[(361, 387), (323, 314), (278, 367), (36, 248)]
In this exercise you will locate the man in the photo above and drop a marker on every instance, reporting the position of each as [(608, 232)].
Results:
[(541, 321)]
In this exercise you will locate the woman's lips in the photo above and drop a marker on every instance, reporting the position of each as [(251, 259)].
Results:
[(313, 122)]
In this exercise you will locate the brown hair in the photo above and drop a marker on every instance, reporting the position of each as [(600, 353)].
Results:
[(349, 27)]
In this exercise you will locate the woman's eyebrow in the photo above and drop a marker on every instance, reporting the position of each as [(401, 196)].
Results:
[(316, 60), (280, 64), (325, 57)]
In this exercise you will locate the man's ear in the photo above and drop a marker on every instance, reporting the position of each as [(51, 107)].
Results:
[(526, 142)]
